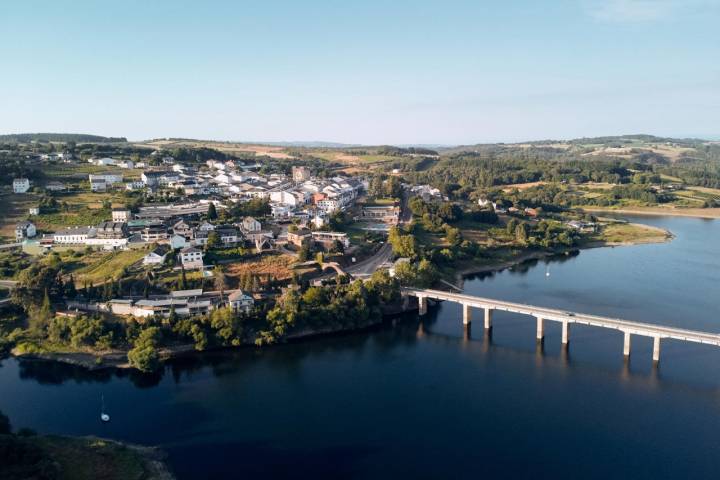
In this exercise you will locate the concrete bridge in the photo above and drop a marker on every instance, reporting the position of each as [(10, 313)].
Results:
[(542, 314)]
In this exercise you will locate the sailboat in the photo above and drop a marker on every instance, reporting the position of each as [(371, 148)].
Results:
[(104, 417)]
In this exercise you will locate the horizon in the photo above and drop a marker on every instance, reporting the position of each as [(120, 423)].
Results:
[(452, 74), (333, 144)]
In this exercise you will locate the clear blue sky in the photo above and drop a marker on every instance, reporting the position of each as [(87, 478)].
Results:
[(369, 71)]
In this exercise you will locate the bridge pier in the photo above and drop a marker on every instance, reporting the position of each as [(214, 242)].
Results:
[(656, 350), (488, 318), (422, 305), (540, 329), (565, 333), (467, 314), (626, 346)]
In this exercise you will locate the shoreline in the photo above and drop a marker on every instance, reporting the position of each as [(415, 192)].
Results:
[(706, 213), (664, 236), (117, 359)]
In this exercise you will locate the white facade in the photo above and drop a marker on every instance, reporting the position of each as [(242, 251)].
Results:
[(109, 178), (21, 185), (249, 224), (240, 302), (121, 216), (72, 236), (191, 257), (25, 230)]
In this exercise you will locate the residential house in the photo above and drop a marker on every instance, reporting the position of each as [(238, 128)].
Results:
[(121, 215), (206, 227), (249, 224), (24, 230), (109, 178), (191, 257), (299, 236), (21, 185), (329, 239), (154, 232), (178, 241), (240, 301), (157, 256), (98, 185), (182, 228)]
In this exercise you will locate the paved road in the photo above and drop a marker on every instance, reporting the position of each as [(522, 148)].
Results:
[(368, 267)]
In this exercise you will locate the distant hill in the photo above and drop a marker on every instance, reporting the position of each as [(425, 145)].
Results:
[(635, 140), (59, 137)]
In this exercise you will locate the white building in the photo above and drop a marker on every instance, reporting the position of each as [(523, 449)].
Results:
[(240, 301), (191, 257), (121, 215), (134, 185), (73, 236), (249, 224), (110, 178), (105, 161), (21, 185), (98, 185), (281, 211), (328, 239), (24, 230), (206, 227), (157, 256), (178, 241)]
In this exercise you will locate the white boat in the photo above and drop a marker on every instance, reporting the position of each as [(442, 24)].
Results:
[(104, 417)]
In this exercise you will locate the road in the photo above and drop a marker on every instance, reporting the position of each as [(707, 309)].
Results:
[(369, 266)]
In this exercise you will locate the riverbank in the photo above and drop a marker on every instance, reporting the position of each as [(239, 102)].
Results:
[(621, 234), (659, 211), (117, 359), (81, 458)]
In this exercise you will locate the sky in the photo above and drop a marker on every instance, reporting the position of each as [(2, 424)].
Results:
[(370, 72)]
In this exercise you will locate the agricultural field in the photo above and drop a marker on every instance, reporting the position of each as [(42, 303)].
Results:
[(277, 152), (278, 266), (13, 209)]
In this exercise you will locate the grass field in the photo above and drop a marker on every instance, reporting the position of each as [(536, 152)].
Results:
[(628, 233), (101, 267)]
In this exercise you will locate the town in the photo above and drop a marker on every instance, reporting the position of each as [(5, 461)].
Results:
[(156, 247)]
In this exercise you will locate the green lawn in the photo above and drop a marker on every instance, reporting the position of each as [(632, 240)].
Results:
[(107, 266)]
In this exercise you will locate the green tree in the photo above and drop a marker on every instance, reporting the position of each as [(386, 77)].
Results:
[(144, 355), (212, 212), (213, 241)]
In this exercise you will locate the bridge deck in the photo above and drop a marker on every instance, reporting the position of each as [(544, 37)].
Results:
[(628, 326)]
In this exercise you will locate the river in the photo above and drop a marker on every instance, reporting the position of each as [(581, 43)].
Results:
[(425, 400)]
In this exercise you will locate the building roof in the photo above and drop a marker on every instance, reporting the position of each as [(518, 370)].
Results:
[(161, 250), (190, 250), (238, 295)]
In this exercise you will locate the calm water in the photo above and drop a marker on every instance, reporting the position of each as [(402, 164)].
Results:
[(426, 401)]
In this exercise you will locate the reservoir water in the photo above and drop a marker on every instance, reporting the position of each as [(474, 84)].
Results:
[(424, 399)]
